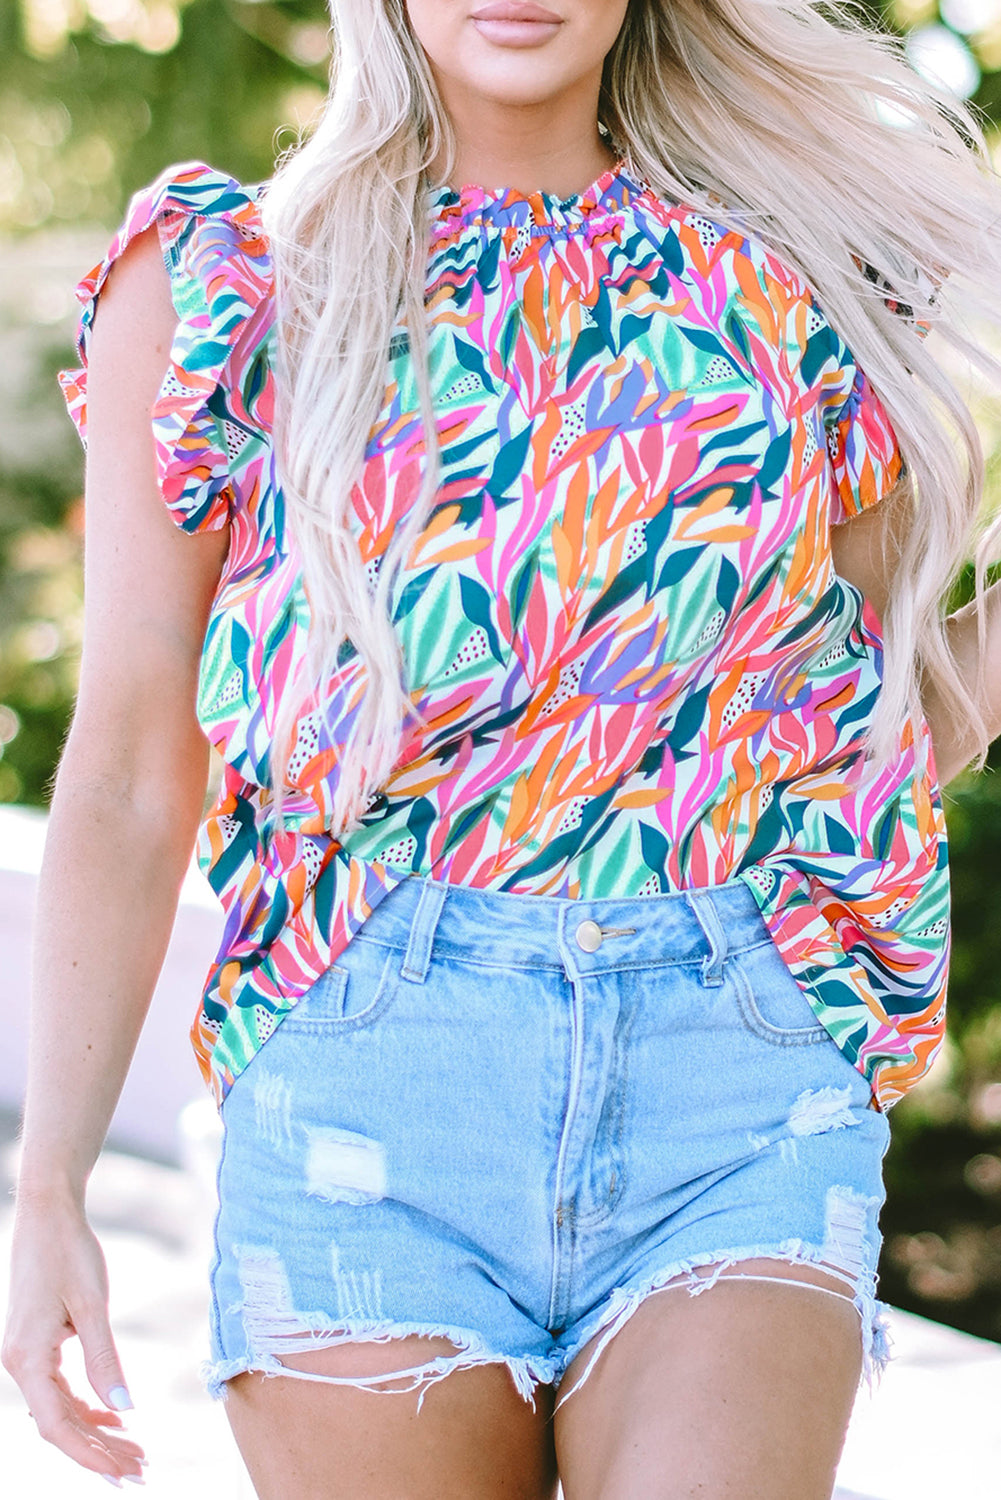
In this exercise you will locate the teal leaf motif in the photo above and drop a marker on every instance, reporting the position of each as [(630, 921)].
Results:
[(467, 821), (700, 338), (727, 584), (737, 334), (476, 607), (672, 253), (412, 593), (775, 463), (255, 379), (595, 823), (323, 896), (225, 871), (883, 831), (677, 565), (588, 345), (622, 585), (488, 260), (509, 337), (521, 588), (688, 723), (471, 358), (420, 820), (819, 349), (240, 645), (509, 464), (840, 840), (656, 852), (457, 452)]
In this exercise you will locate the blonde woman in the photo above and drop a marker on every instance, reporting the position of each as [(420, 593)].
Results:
[(566, 607)]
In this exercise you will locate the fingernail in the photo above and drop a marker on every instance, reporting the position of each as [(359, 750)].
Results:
[(119, 1398), (112, 1479), (134, 1478)]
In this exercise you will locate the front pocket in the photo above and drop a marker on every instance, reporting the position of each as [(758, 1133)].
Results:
[(772, 1004), (345, 999)]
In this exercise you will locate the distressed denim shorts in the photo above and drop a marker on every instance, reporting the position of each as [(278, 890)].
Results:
[(505, 1120)]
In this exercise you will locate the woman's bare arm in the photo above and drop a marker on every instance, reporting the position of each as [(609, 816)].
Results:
[(866, 551), (124, 817)]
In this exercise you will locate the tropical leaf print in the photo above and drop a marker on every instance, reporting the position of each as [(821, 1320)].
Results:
[(637, 670)]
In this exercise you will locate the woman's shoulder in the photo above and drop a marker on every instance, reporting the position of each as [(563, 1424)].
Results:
[(213, 246), (211, 237), (209, 225)]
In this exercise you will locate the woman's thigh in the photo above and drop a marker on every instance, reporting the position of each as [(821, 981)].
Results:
[(741, 1393), (474, 1437)]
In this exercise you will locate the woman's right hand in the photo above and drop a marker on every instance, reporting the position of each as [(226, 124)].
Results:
[(58, 1288)]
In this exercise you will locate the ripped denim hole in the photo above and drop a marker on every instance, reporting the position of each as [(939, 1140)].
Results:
[(275, 1330), (819, 1110), (846, 1256)]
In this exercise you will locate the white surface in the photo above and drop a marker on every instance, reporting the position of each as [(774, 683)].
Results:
[(931, 1432), (164, 1076), (933, 1429)]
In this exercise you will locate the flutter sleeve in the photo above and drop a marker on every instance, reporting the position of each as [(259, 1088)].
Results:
[(213, 392), (863, 448)]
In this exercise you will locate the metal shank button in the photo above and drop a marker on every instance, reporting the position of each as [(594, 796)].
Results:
[(588, 937)]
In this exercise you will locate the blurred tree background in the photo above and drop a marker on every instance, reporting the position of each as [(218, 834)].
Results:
[(96, 98)]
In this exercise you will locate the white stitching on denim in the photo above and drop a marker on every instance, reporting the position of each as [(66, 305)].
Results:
[(706, 915), (417, 957)]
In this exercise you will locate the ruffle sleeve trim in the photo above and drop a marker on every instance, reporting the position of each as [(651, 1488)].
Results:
[(863, 446), (864, 451), (215, 252)]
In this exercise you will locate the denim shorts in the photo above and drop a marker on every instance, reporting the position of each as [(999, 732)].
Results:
[(504, 1120)]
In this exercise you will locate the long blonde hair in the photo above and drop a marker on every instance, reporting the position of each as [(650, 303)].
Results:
[(766, 115)]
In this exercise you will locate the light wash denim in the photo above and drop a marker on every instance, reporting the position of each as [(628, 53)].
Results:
[(507, 1119)]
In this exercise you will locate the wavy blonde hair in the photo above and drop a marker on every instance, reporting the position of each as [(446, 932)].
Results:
[(776, 117)]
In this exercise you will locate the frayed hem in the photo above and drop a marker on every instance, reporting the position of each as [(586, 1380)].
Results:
[(527, 1371), (876, 1342)]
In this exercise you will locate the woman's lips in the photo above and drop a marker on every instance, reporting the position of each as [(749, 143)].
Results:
[(511, 25)]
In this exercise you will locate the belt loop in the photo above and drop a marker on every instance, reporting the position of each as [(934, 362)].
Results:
[(422, 930), (705, 913)]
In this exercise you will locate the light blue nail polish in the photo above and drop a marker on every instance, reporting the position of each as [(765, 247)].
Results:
[(119, 1398), (113, 1479)]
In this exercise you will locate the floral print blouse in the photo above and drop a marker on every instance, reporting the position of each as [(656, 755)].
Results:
[(638, 668)]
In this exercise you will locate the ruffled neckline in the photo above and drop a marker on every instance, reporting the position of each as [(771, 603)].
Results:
[(506, 207)]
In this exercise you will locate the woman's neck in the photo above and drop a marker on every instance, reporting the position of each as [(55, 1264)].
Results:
[(554, 147), (560, 174)]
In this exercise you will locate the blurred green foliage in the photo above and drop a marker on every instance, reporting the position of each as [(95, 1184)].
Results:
[(96, 98)]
